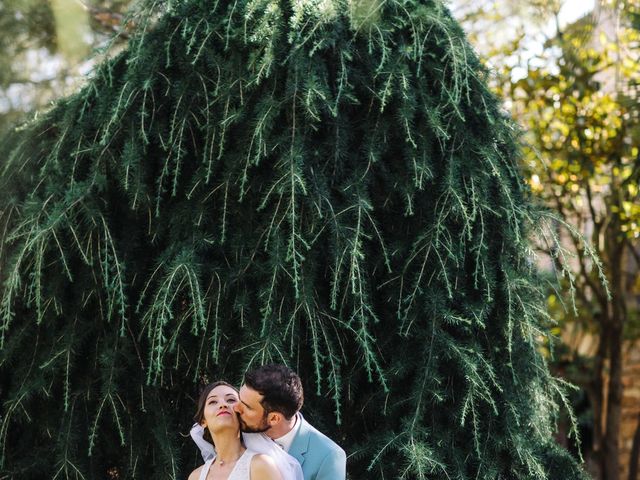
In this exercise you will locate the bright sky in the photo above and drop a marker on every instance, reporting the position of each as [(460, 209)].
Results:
[(574, 9), (571, 11)]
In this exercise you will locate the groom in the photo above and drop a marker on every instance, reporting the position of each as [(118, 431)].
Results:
[(270, 402)]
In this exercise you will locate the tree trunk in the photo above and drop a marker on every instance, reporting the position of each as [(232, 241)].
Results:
[(611, 450), (611, 468), (635, 453), (598, 391)]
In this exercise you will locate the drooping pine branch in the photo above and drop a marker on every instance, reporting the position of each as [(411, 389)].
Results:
[(314, 182)]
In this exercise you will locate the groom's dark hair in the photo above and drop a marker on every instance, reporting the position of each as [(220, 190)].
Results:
[(280, 387)]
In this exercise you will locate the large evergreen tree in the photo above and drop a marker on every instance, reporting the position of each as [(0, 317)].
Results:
[(314, 182)]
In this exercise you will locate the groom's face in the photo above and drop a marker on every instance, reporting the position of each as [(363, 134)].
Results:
[(253, 417)]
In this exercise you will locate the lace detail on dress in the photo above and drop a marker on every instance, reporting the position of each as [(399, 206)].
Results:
[(241, 470)]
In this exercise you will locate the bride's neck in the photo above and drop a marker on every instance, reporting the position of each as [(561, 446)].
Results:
[(228, 445)]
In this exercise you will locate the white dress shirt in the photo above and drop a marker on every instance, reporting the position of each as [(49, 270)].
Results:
[(286, 440)]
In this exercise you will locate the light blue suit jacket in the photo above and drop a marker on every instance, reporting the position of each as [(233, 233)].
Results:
[(320, 457)]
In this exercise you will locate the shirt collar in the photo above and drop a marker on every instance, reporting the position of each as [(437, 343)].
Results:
[(286, 440)]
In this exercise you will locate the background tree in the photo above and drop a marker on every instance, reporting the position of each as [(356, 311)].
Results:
[(304, 182), (577, 101), (46, 46), (634, 460)]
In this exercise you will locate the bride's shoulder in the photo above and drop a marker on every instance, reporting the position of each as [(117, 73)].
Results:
[(195, 475), (263, 466)]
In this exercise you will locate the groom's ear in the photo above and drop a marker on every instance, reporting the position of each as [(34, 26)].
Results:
[(274, 418)]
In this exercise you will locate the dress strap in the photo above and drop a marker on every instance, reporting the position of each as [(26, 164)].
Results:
[(205, 469)]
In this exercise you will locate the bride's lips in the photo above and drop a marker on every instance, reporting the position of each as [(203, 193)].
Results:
[(223, 413)]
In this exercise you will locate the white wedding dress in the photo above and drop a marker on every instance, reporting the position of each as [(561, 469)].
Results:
[(256, 443), (241, 470)]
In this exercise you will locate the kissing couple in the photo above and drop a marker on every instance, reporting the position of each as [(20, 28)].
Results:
[(258, 432)]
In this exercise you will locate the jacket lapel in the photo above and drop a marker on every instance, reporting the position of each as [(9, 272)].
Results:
[(300, 443)]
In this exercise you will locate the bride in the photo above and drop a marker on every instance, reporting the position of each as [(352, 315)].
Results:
[(228, 455)]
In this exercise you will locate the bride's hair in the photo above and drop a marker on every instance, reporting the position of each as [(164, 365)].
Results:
[(202, 400)]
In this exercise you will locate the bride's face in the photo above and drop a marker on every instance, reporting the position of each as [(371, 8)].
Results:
[(218, 409)]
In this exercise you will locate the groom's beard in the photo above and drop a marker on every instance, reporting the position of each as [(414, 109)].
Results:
[(262, 427)]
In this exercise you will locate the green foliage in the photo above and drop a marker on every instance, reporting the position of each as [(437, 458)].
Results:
[(577, 98), (583, 132), (263, 180), (22, 21), (42, 46)]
